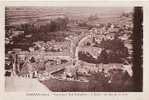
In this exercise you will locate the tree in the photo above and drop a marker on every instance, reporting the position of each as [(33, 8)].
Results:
[(103, 58), (137, 37), (85, 56), (114, 49)]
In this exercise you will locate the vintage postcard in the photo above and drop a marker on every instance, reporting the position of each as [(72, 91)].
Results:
[(73, 49)]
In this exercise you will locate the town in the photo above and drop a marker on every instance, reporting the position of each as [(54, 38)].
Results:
[(58, 50)]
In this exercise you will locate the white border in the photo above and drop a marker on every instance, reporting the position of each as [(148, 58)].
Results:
[(119, 96)]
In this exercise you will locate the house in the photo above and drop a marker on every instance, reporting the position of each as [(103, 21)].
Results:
[(110, 36), (16, 33)]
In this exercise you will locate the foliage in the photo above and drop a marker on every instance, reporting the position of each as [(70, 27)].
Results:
[(85, 56), (113, 51)]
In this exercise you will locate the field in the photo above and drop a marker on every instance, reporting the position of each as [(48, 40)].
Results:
[(27, 14)]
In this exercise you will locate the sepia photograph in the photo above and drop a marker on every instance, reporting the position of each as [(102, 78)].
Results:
[(73, 49)]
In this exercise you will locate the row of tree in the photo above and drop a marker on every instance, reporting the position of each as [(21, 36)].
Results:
[(42, 32), (49, 26)]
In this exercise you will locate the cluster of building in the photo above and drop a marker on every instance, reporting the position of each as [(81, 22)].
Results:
[(51, 46), (106, 32), (44, 58)]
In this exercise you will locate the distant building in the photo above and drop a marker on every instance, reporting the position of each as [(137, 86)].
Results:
[(17, 33), (110, 36)]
